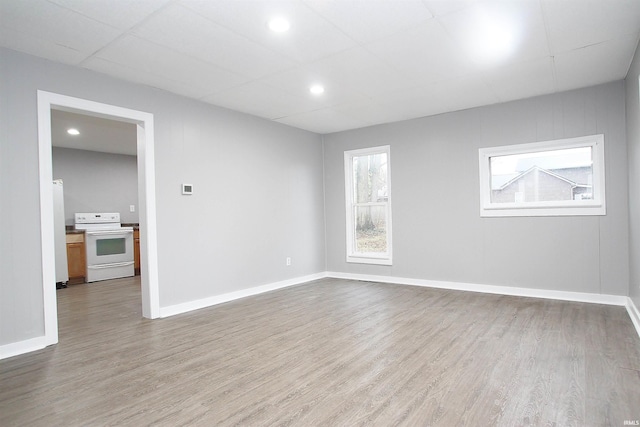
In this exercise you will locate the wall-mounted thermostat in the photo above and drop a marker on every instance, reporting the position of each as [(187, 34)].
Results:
[(187, 189)]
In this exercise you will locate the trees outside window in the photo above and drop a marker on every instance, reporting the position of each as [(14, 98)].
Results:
[(368, 205)]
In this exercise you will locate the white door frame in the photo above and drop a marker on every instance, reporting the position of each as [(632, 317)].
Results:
[(146, 199)]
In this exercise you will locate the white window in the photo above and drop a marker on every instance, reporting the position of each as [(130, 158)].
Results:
[(368, 205), (561, 177)]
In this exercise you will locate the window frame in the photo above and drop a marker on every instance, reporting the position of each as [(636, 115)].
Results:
[(352, 255), (595, 206)]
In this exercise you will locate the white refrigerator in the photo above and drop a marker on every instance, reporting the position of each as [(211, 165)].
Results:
[(59, 234)]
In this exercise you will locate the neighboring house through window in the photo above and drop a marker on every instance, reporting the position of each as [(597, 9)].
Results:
[(562, 177), (368, 205)]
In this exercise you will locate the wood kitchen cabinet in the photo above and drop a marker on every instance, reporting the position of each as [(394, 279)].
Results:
[(76, 258), (136, 251)]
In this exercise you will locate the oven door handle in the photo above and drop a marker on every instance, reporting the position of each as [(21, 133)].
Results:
[(108, 232), (110, 265)]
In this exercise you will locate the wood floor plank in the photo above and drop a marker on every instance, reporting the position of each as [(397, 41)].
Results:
[(332, 352)]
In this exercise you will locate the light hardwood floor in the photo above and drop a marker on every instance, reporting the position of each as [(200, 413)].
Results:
[(329, 353)]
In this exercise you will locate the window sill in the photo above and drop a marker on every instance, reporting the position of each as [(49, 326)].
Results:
[(543, 211), (369, 260)]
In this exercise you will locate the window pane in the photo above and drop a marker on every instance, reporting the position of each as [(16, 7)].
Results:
[(370, 178), (110, 246), (544, 176), (371, 229), (368, 205)]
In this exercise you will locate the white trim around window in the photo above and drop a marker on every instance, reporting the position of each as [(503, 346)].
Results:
[(374, 245), (588, 197)]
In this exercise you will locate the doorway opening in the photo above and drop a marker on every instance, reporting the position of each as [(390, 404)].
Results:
[(48, 101)]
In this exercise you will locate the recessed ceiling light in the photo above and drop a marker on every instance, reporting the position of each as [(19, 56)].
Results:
[(316, 89), (73, 131), (279, 25)]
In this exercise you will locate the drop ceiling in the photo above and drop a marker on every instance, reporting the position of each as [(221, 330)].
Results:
[(379, 60)]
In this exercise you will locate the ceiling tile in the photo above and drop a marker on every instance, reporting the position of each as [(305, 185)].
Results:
[(124, 72), (522, 80), (322, 121), (368, 20), (125, 16), (146, 57), (52, 27), (573, 24), (187, 32), (297, 82), (262, 100), (44, 48), (310, 37), (415, 107), (370, 113), (359, 70), (492, 33), (464, 92), (426, 52), (443, 7), (596, 64), (453, 94)]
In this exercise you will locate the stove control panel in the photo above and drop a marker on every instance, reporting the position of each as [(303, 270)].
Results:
[(97, 218)]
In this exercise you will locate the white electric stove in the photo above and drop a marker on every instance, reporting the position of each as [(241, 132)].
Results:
[(109, 246)]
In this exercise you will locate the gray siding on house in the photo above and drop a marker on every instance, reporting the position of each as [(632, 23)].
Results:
[(633, 140), (258, 192), (534, 186), (538, 184), (438, 233), (579, 175)]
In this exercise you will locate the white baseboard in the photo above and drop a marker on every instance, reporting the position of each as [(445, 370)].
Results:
[(172, 310), (490, 289), (21, 347), (634, 313)]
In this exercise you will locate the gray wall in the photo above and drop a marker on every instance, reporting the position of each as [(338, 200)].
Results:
[(437, 230), (633, 140), (258, 192), (97, 182)]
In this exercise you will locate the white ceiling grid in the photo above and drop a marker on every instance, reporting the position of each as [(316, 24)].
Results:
[(379, 60)]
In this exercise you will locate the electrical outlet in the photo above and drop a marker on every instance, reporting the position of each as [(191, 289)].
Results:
[(288, 261), (132, 208)]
